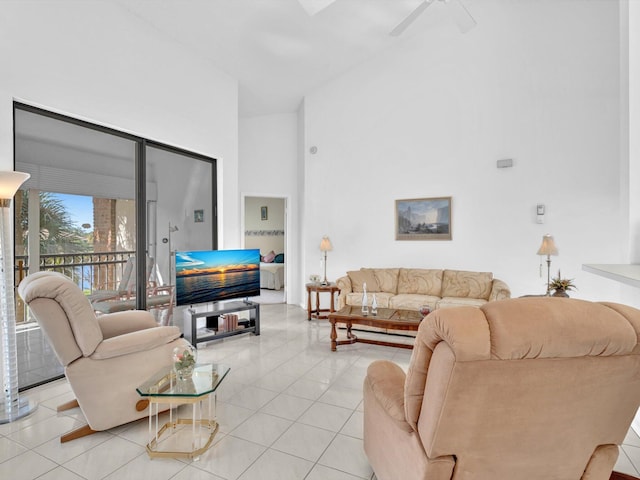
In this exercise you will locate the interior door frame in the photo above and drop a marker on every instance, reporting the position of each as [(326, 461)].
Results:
[(287, 230)]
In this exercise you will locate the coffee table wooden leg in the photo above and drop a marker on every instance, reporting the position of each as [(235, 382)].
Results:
[(350, 335), (621, 476), (308, 304), (334, 335)]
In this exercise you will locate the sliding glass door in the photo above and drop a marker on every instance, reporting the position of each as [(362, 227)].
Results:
[(106, 209)]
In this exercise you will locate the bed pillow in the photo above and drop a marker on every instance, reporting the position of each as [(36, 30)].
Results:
[(279, 258), (268, 258)]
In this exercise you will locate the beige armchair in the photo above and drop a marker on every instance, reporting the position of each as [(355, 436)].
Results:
[(522, 389), (105, 358)]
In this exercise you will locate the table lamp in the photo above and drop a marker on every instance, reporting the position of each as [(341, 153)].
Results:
[(548, 248), (12, 407), (325, 246)]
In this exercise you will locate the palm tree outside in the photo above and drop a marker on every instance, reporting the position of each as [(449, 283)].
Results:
[(58, 232)]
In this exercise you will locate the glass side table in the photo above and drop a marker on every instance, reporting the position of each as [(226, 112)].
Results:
[(167, 441)]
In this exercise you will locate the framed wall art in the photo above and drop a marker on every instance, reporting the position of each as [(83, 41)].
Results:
[(198, 216), (264, 213), (423, 219)]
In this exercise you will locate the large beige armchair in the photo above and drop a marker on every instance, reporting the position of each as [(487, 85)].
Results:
[(522, 389), (105, 358)]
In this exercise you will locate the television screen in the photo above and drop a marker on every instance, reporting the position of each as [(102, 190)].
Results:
[(214, 275)]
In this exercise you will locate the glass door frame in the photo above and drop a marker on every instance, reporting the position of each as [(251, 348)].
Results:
[(141, 145)]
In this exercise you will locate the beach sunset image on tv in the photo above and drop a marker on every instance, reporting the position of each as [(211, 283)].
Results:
[(214, 275)]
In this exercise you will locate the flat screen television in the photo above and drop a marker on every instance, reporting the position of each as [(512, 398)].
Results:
[(213, 275)]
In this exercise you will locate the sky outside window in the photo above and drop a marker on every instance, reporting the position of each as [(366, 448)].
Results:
[(79, 207)]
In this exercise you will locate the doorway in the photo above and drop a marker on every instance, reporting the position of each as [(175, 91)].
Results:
[(265, 224)]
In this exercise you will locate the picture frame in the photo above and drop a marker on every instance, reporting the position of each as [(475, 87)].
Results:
[(423, 219), (264, 213), (198, 216)]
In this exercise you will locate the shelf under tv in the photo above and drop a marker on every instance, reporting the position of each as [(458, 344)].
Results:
[(197, 335)]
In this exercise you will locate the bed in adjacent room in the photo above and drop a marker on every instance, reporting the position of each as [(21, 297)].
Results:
[(272, 273)]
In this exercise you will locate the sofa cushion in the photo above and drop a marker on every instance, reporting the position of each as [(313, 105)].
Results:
[(382, 298), (447, 302), (459, 283), (387, 279), (420, 281), (360, 277), (412, 301)]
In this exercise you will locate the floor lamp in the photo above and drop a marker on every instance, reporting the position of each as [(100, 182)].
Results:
[(548, 248), (12, 407)]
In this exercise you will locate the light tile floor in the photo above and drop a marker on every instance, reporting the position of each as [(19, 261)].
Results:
[(290, 409)]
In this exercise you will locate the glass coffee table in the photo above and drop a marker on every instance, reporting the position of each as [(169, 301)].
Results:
[(169, 440)]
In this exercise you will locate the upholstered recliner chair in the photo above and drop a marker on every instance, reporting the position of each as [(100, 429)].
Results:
[(105, 358), (522, 389)]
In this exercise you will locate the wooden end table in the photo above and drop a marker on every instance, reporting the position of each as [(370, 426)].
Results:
[(317, 288), (392, 318)]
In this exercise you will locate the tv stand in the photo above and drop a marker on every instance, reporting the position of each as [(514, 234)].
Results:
[(197, 335)]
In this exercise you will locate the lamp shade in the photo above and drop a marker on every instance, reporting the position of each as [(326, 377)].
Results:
[(10, 182), (325, 244), (548, 246)]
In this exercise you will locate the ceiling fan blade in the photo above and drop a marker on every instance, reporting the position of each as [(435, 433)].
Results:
[(314, 6), (403, 25), (461, 15)]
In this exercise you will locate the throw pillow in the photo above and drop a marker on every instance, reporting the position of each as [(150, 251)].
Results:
[(360, 277), (268, 258), (279, 258)]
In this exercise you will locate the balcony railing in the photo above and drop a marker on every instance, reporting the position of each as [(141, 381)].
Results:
[(90, 271)]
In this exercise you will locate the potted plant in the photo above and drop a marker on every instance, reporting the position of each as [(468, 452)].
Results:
[(561, 286)]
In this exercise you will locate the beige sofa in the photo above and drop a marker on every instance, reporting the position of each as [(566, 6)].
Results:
[(528, 388), (410, 288)]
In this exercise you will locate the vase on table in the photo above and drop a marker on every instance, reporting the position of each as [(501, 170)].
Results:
[(365, 301), (184, 361), (374, 305)]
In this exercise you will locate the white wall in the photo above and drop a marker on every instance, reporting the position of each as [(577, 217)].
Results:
[(534, 81), (264, 234), (95, 61), (268, 151), (630, 24), (537, 82)]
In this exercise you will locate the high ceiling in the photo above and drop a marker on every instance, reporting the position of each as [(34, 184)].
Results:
[(279, 50)]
